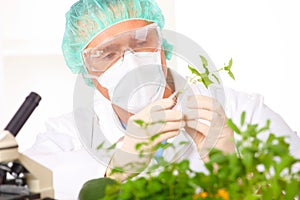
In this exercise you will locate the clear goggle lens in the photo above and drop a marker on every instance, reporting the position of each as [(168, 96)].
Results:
[(145, 39)]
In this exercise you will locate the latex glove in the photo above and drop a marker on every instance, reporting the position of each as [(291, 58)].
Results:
[(206, 123), (158, 119)]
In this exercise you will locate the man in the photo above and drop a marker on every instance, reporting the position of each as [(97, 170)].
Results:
[(113, 43), (102, 40)]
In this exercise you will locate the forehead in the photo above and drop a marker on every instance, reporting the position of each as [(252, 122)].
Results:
[(116, 29)]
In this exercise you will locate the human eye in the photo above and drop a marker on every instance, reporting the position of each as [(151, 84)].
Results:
[(140, 44), (150, 42), (109, 56)]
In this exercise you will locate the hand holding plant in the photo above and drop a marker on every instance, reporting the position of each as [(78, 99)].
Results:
[(148, 128), (215, 132), (201, 109)]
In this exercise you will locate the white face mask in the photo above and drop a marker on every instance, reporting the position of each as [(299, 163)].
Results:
[(135, 81)]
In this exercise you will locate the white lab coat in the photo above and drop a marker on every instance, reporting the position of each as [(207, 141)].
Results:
[(60, 149)]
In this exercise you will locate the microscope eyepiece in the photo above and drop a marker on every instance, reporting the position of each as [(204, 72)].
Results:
[(23, 113)]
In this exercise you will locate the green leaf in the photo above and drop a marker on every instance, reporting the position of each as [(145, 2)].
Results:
[(204, 61), (139, 122), (248, 160), (200, 80), (139, 145), (216, 78), (231, 75), (230, 62), (167, 145), (228, 67), (233, 126), (193, 70), (100, 146), (278, 149), (117, 170), (285, 162), (154, 186), (95, 188), (206, 70), (152, 138), (267, 160), (292, 189), (267, 194), (184, 142), (112, 147), (217, 158), (243, 117), (204, 64), (205, 79), (270, 140), (266, 127), (184, 165)]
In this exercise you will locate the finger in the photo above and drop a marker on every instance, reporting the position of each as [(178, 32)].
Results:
[(162, 104), (166, 115), (165, 127), (198, 126), (204, 102), (200, 114), (195, 135), (165, 136)]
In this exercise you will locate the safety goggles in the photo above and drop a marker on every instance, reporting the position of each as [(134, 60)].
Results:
[(145, 39)]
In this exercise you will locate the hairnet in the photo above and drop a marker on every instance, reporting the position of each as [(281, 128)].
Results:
[(87, 18)]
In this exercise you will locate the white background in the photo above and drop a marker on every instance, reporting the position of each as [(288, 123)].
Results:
[(262, 37)]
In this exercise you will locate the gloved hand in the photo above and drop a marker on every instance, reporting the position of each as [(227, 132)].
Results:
[(206, 123), (158, 120)]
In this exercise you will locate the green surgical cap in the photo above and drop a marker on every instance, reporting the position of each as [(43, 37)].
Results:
[(87, 18)]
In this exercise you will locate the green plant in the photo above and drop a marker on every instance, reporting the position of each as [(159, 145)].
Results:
[(206, 76), (260, 170)]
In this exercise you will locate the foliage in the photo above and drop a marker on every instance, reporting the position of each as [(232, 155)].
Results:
[(259, 170), (206, 76), (90, 189)]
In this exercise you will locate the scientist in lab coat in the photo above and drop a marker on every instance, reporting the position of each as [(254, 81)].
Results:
[(118, 48)]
